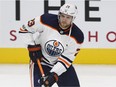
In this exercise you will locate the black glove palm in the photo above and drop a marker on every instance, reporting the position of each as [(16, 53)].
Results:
[(34, 52)]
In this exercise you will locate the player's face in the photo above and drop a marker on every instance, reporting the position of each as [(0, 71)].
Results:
[(65, 20)]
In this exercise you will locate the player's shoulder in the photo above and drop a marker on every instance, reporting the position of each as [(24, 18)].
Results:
[(77, 34), (48, 19)]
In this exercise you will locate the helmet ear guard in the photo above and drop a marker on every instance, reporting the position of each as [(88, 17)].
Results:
[(68, 9)]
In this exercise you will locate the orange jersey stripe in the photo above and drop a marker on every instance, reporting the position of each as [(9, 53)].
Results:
[(34, 49), (23, 30), (65, 62)]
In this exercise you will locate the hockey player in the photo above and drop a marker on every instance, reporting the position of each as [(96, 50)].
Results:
[(55, 40)]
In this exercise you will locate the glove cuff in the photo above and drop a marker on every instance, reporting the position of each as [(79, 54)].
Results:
[(34, 47)]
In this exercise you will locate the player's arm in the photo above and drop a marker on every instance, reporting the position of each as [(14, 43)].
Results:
[(66, 59), (30, 31), (28, 34)]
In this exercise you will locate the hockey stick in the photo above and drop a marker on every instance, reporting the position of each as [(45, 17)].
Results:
[(39, 65)]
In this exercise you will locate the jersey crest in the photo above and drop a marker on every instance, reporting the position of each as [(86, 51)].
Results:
[(54, 48)]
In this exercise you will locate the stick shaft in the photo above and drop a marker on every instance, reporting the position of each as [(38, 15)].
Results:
[(40, 67)]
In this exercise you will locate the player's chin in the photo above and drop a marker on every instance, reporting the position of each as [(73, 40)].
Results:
[(64, 25)]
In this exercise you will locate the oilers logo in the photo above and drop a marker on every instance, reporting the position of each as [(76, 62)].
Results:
[(54, 48)]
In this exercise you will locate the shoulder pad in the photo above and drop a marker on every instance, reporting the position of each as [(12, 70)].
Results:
[(77, 34)]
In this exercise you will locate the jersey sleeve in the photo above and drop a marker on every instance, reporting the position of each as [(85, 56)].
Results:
[(67, 57), (31, 30)]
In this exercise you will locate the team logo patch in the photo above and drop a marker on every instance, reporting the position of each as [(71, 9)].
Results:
[(54, 48)]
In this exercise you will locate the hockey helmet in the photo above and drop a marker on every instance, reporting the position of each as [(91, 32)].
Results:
[(69, 9)]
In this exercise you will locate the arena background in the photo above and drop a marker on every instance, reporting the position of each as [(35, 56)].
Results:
[(96, 18)]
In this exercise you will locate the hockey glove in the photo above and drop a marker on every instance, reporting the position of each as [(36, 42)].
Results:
[(34, 52), (49, 80)]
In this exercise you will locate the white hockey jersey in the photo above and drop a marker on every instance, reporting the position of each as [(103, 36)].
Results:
[(59, 47)]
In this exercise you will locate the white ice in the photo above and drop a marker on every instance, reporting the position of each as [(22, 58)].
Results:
[(17, 75)]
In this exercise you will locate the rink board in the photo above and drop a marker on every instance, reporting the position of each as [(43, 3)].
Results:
[(86, 56)]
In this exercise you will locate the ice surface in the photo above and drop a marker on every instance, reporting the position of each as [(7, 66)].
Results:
[(17, 75)]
